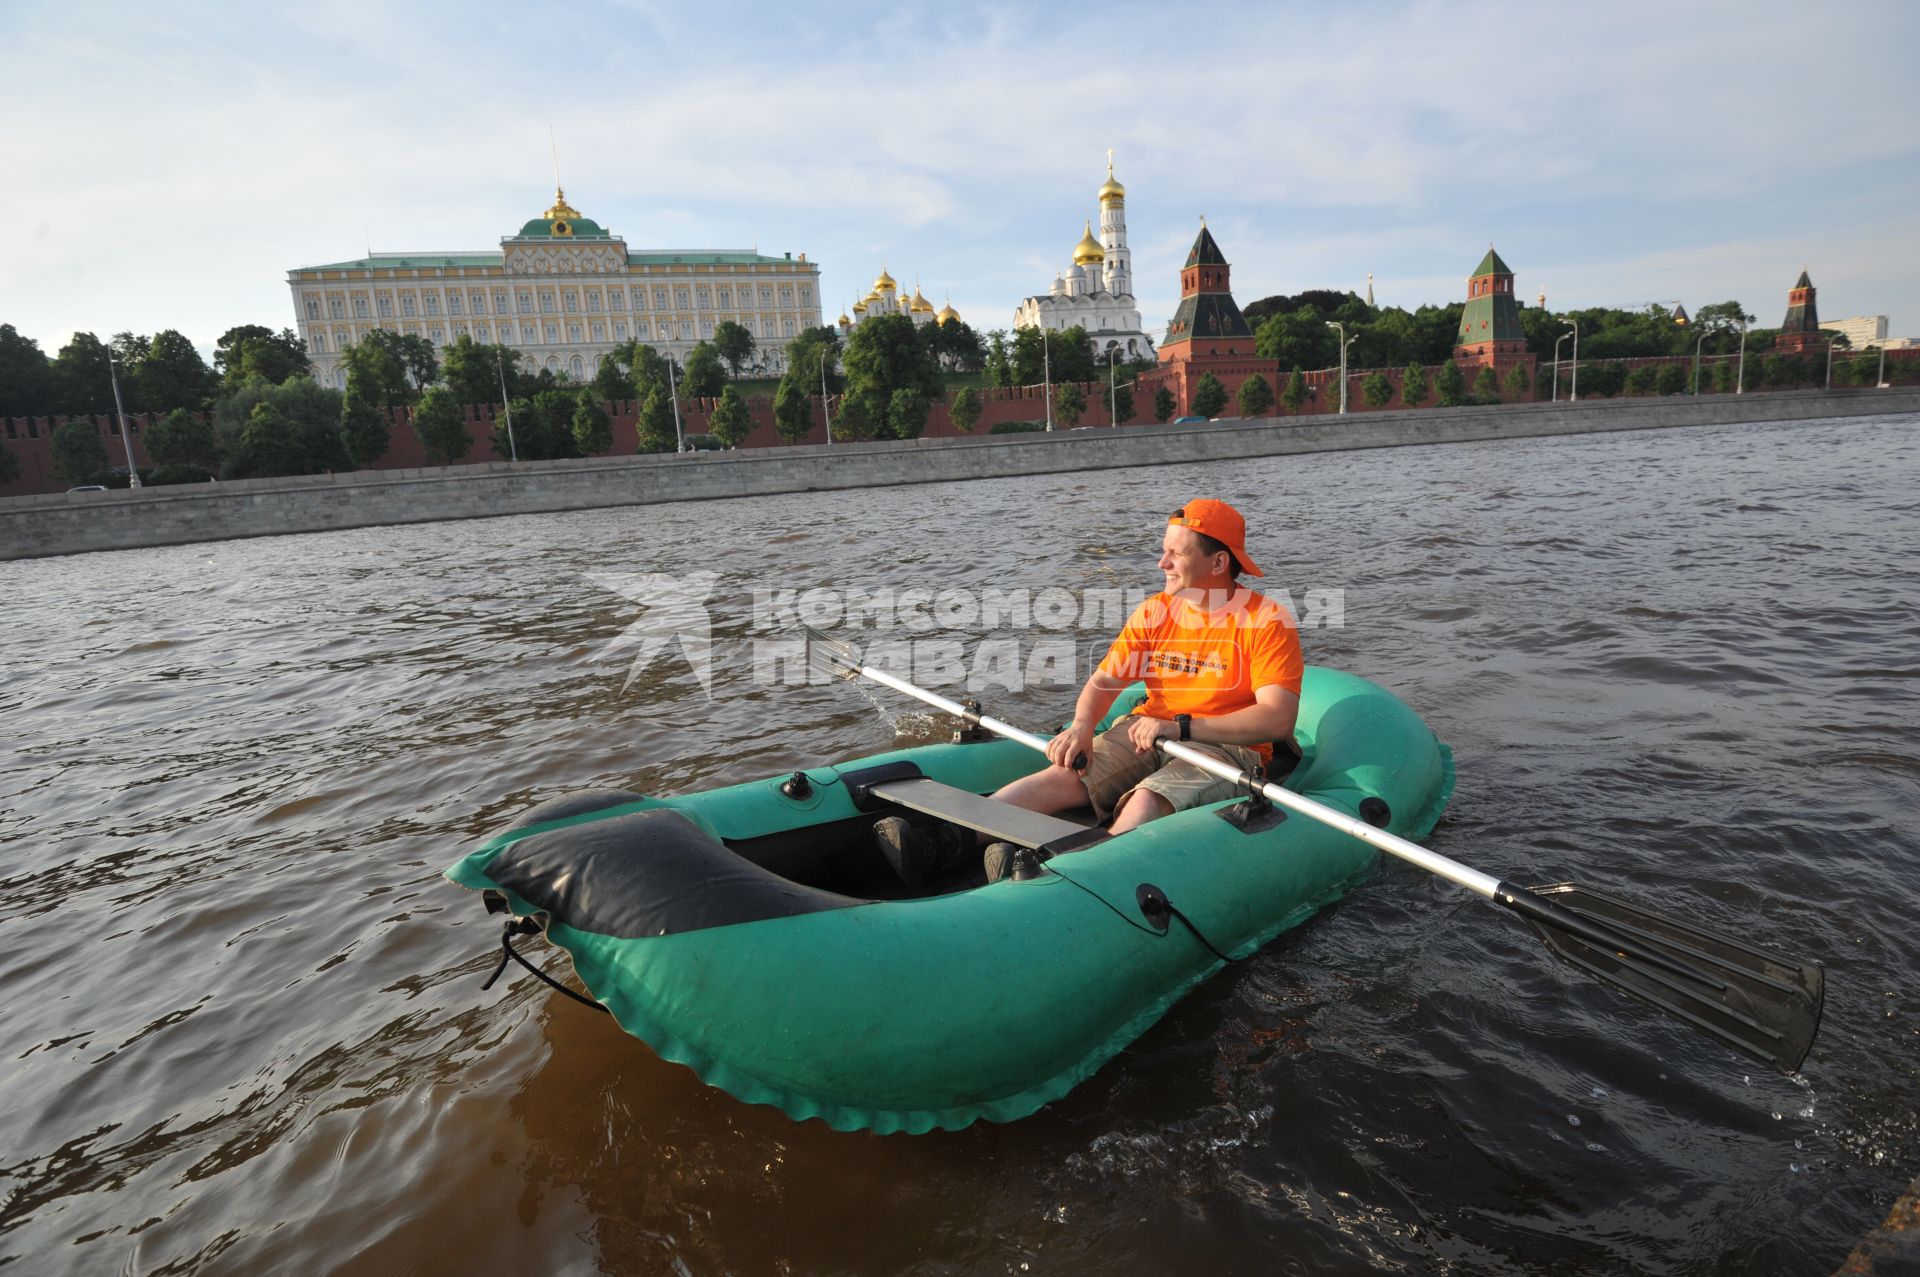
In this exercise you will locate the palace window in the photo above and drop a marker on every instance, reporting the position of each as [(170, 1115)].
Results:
[(453, 303), (786, 297), (680, 298), (571, 303), (436, 336), (579, 368), (386, 307), (499, 303), (726, 299), (573, 332), (806, 297), (313, 309), (406, 305), (593, 303), (599, 332), (703, 298), (528, 334), (766, 328), (766, 297), (620, 332), (433, 303), (553, 334), (706, 328), (480, 331), (686, 332), (788, 325), (526, 303), (320, 343), (546, 303), (642, 330), (338, 307), (659, 299)]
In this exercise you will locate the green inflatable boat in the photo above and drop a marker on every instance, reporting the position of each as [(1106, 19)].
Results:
[(756, 935)]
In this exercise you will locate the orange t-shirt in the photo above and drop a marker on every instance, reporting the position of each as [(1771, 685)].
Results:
[(1206, 663)]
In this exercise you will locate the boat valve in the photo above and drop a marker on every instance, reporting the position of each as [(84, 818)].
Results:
[(797, 787)]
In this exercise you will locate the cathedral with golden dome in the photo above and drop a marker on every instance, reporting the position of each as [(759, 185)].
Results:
[(1096, 290), (888, 298)]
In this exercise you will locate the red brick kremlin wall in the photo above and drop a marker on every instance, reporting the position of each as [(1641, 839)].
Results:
[(30, 438)]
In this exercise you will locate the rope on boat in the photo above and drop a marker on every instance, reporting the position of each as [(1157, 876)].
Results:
[(528, 927)]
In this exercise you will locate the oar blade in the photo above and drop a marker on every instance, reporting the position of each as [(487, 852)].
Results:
[(831, 657), (1757, 1001)]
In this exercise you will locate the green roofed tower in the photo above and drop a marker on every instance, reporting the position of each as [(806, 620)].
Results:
[(1490, 326), (1208, 317)]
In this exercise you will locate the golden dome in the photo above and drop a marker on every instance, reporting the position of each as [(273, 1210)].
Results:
[(844, 321), (1088, 250), (859, 308), (921, 306), (884, 284), (1111, 190), (560, 207), (947, 314)]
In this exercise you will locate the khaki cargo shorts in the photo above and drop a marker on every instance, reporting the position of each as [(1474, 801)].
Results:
[(1115, 771)]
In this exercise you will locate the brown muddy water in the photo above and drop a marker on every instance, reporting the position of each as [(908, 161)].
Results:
[(245, 1032)]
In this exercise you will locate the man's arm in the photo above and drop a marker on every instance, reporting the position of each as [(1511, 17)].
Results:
[(1269, 718), (1096, 698)]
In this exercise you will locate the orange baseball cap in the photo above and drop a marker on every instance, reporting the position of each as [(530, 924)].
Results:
[(1220, 521)]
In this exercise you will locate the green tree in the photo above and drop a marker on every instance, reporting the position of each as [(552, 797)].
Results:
[(1671, 379), (886, 355), (907, 413), (792, 410), (1164, 404), (1069, 404), (1726, 376), (1450, 387), (955, 347), (730, 423), (1120, 399), (1294, 394), (365, 428), (172, 375), (1413, 385), (734, 344), (999, 360), (656, 422), (26, 376), (1486, 384), (82, 382), (1376, 390), (254, 350), (9, 466), (375, 370), (418, 364), (1256, 396), (183, 440), (852, 421), (1064, 356), (1642, 380), (79, 456), (474, 370), (592, 428), (703, 375), (1518, 383), (1605, 380), (440, 422), (302, 437), (1209, 396), (965, 412), (1299, 337)]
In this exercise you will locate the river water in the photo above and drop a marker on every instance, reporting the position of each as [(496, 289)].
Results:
[(245, 1027)]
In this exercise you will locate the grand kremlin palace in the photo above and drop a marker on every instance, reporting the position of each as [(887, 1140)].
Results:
[(563, 290)]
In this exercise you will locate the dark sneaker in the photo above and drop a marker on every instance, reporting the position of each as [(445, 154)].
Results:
[(997, 860), (904, 849)]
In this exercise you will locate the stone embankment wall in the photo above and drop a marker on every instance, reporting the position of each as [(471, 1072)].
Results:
[(66, 523)]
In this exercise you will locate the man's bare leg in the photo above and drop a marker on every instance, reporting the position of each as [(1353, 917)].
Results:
[(1050, 790), (1140, 806)]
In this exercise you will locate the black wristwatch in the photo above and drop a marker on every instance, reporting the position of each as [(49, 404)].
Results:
[(1186, 725)]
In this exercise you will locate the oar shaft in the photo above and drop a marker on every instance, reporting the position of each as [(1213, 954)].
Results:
[(1394, 845), (938, 701)]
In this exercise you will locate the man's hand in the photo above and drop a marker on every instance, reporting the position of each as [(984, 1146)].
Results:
[(1076, 742), (1142, 732)]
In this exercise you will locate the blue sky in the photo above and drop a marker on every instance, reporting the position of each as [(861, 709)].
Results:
[(165, 165)]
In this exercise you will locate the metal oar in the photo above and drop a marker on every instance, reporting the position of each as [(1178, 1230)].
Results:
[(1757, 1001)]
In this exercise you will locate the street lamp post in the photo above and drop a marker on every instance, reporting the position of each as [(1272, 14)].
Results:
[(501, 367), (1574, 392), (1345, 341), (1696, 363), (1880, 381), (1830, 344), (1556, 365), (673, 393), (133, 471), (1740, 384), (1046, 373), (826, 404), (1113, 392)]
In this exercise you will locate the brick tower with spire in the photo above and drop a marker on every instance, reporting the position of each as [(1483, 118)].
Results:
[(1800, 331), (1207, 334), (1490, 332)]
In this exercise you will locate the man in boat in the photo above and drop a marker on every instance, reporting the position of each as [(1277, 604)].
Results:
[(1222, 667)]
